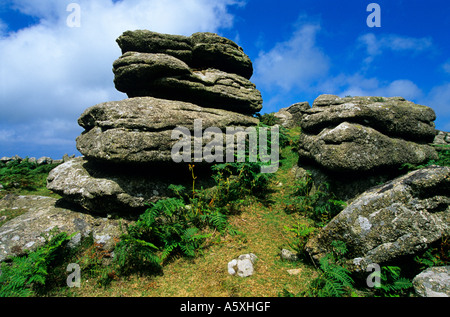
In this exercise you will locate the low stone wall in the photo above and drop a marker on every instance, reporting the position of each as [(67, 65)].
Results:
[(40, 161)]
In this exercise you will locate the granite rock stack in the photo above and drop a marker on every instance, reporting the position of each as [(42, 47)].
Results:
[(171, 81)]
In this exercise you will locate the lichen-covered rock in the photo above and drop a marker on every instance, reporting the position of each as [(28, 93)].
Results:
[(433, 282), (395, 117), (213, 51), (209, 88), (42, 214), (200, 50), (292, 116), (146, 41), (134, 71), (101, 188), (163, 76), (215, 74), (139, 130), (398, 218), (355, 147)]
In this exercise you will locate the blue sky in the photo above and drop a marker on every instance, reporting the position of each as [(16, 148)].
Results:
[(50, 72)]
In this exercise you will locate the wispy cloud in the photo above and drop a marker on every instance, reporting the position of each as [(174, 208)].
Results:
[(377, 45)]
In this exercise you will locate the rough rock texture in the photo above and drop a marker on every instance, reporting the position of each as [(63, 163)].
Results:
[(43, 214), (442, 138), (354, 147), (205, 69), (395, 117), (200, 50), (106, 188), (243, 265), (433, 282), (388, 221), (292, 116), (139, 130), (363, 140), (185, 93)]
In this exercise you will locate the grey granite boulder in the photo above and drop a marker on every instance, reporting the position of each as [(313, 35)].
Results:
[(398, 218), (101, 188), (433, 282), (42, 215), (215, 74), (139, 130), (355, 147), (395, 117), (200, 50)]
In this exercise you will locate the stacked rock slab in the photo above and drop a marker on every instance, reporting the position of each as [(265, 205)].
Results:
[(364, 140), (173, 81), (205, 69)]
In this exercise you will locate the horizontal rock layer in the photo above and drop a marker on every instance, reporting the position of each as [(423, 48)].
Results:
[(102, 188), (394, 117), (200, 50), (214, 74), (163, 76), (139, 130), (366, 134), (354, 147)]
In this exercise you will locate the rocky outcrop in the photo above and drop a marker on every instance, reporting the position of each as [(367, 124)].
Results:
[(188, 84), (201, 50), (399, 218), (364, 140), (351, 147), (139, 130), (292, 116), (442, 138), (205, 69), (433, 282), (42, 214)]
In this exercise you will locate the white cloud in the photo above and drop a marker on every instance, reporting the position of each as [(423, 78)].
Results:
[(446, 67), (50, 72), (296, 63), (377, 45)]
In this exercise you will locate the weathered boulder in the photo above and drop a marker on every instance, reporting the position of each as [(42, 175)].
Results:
[(42, 214), (388, 221), (135, 71), (213, 51), (200, 50), (214, 75), (433, 282), (354, 147), (363, 140), (102, 188), (442, 138), (139, 130), (395, 117), (292, 116), (243, 265), (146, 41), (163, 76)]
